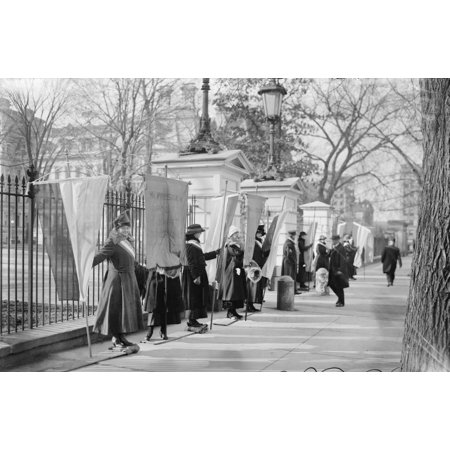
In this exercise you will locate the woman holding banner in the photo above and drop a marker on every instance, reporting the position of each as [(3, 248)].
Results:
[(119, 310), (233, 288), (196, 295)]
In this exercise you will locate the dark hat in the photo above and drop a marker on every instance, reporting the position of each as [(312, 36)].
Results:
[(122, 220), (261, 230), (302, 233), (322, 237), (335, 237), (194, 229)]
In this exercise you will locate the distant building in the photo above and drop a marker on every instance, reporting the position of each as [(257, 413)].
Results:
[(343, 201)]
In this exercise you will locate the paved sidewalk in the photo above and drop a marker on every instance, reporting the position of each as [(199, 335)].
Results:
[(364, 335)]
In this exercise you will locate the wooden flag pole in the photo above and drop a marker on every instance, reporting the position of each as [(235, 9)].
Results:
[(87, 331), (221, 254)]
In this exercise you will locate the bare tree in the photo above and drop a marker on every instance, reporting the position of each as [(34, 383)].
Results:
[(347, 116), (127, 115), (426, 342), (35, 109)]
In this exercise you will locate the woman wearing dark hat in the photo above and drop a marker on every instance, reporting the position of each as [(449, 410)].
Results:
[(196, 295), (256, 290), (233, 288), (289, 263), (119, 310)]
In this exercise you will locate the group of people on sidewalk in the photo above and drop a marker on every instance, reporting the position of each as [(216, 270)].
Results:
[(333, 266), (130, 288)]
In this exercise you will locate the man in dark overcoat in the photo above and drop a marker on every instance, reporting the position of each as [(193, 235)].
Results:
[(289, 264), (196, 294), (338, 273), (302, 248), (350, 253), (256, 290), (389, 258)]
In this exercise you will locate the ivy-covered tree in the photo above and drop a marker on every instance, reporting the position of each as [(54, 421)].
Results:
[(241, 124)]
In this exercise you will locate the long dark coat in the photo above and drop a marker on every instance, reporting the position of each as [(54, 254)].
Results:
[(159, 311), (338, 273), (119, 309), (289, 264), (233, 289), (350, 253), (302, 248), (196, 297), (256, 290), (389, 258), (323, 256)]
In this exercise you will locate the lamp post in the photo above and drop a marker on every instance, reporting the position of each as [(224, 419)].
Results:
[(272, 95), (203, 142)]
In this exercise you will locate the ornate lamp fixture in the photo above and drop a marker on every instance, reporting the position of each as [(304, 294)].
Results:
[(272, 95)]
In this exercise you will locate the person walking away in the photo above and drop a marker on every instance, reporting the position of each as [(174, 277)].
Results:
[(233, 288), (289, 264), (321, 265), (302, 248), (163, 308), (119, 309), (389, 258), (195, 284), (257, 290), (338, 276)]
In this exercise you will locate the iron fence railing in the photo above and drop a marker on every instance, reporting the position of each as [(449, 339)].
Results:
[(28, 293)]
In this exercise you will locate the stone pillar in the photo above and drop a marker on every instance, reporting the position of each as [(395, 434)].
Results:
[(322, 214), (281, 195)]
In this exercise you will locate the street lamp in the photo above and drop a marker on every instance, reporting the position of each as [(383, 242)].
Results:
[(272, 95)]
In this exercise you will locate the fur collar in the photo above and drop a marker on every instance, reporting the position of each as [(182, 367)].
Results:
[(117, 237)]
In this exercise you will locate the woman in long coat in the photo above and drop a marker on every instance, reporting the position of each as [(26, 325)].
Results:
[(289, 263), (119, 310), (321, 265), (196, 294), (233, 288), (389, 258)]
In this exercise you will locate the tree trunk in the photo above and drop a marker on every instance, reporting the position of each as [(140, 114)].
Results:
[(426, 341)]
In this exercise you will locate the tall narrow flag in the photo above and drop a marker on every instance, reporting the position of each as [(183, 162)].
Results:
[(267, 270), (221, 219), (57, 243), (166, 204), (82, 199), (310, 235)]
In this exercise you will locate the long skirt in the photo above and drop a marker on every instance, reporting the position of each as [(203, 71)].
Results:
[(162, 309), (119, 310)]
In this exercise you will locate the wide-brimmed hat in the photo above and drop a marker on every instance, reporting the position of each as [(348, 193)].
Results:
[(232, 231), (261, 230), (322, 238), (122, 220), (335, 237), (292, 231), (194, 229)]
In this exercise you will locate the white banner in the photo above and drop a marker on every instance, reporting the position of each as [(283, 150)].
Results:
[(83, 200), (309, 239), (166, 203), (267, 270), (254, 209), (362, 241), (214, 234)]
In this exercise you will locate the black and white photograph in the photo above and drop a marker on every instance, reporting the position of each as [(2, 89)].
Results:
[(243, 242)]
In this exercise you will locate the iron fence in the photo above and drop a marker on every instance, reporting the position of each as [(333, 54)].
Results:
[(29, 295)]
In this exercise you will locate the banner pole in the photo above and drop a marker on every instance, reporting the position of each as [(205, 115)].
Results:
[(221, 254), (87, 331)]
